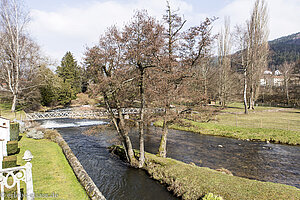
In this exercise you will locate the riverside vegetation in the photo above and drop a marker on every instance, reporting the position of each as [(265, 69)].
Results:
[(192, 182)]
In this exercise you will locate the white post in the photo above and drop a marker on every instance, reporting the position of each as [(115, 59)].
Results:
[(1, 153), (4, 148), (29, 182)]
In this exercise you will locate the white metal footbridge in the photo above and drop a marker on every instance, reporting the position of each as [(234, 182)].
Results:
[(84, 114)]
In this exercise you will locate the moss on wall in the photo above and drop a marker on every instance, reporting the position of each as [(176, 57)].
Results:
[(14, 131)]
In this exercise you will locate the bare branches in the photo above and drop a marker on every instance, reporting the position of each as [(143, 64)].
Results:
[(17, 50)]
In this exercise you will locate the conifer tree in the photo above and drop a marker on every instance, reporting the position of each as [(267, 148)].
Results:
[(69, 71)]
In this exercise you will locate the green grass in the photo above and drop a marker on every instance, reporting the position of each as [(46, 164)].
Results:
[(287, 119), (193, 182), (237, 107), (6, 113), (51, 171)]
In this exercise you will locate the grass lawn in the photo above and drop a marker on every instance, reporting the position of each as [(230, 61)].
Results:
[(51, 171), (193, 182), (261, 117), (237, 107)]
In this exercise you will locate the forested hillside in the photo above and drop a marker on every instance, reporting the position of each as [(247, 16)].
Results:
[(283, 49)]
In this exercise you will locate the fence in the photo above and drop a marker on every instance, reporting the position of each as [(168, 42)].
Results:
[(12, 177)]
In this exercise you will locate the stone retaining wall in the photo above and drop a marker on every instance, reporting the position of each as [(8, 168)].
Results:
[(88, 184)]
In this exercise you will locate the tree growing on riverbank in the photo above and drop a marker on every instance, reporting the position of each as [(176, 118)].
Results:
[(140, 66), (111, 77)]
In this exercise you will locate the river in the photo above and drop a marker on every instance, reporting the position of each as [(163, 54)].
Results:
[(116, 180)]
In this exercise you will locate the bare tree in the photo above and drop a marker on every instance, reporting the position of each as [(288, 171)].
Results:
[(242, 59), (224, 61), (167, 71), (287, 72), (144, 41), (258, 49), (106, 61), (195, 53), (13, 21)]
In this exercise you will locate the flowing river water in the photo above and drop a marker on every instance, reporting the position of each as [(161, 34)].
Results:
[(116, 180)]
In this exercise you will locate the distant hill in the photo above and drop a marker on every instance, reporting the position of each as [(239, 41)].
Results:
[(286, 48)]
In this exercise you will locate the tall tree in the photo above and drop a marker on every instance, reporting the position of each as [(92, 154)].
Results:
[(144, 40), (167, 72), (110, 77), (287, 73), (195, 54), (258, 49), (224, 61), (69, 71), (13, 21), (242, 60)]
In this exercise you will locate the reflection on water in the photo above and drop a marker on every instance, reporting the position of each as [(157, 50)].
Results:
[(255, 160)]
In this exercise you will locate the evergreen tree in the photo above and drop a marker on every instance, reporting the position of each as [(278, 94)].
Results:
[(69, 72)]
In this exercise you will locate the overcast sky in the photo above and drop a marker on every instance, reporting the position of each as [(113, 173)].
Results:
[(71, 25)]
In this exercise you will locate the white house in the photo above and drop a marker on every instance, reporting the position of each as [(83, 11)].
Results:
[(4, 129), (263, 82), (277, 73), (4, 137), (278, 81), (267, 72)]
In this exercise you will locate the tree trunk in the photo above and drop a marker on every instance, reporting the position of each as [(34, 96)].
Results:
[(251, 99), (205, 89), (245, 92), (287, 91), (162, 151), (141, 125), (14, 103), (133, 162), (122, 132)]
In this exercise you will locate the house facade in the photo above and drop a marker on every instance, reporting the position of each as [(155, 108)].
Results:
[(272, 79)]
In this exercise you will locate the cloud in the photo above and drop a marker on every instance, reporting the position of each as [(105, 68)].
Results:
[(284, 15), (73, 28)]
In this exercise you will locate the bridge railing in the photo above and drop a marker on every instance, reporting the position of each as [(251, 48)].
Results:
[(85, 114)]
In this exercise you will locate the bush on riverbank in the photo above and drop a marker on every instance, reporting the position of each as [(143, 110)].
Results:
[(193, 182)]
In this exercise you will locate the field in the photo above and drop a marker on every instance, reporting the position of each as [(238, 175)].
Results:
[(261, 117)]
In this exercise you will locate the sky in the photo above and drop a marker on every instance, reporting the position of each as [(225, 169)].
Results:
[(59, 26)]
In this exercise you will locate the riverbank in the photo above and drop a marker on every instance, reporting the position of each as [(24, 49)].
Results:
[(277, 125), (52, 173), (260, 134), (192, 182)]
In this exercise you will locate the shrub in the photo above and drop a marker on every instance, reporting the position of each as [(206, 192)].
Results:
[(35, 134), (211, 196), (12, 147)]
